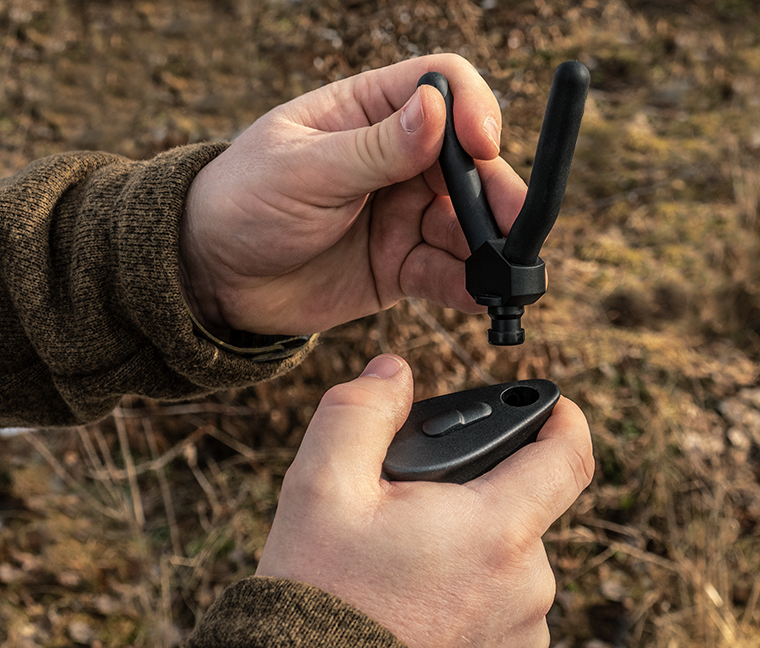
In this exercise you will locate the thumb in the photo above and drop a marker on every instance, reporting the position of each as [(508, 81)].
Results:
[(541, 481), (355, 422), (396, 149)]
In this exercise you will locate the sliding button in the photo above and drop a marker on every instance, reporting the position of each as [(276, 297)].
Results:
[(453, 419)]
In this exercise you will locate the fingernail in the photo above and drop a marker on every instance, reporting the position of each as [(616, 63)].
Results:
[(384, 366), (493, 131), (412, 116)]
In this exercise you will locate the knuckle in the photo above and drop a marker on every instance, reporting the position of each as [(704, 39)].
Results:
[(542, 589), (453, 234), (456, 60), (524, 565), (582, 466), (373, 151), (413, 276), (308, 485), (364, 401), (349, 395), (546, 590), (543, 636), (512, 546)]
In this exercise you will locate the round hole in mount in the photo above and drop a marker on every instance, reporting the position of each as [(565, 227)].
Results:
[(520, 396)]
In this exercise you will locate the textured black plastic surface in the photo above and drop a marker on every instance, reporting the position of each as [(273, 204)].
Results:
[(464, 452)]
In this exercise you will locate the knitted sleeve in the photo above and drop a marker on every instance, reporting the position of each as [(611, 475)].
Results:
[(90, 300), (274, 613), (91, 309)]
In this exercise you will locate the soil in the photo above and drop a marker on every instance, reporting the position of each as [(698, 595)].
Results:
[(651, 323)]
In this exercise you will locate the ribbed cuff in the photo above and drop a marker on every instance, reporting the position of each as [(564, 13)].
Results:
[(275, 613)]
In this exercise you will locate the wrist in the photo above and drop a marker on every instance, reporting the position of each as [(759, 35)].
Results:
[(194, 275), (205, 309)]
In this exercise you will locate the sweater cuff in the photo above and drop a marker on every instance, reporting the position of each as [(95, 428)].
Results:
[(258, 348), (275, 613), (148, 269), (91, 305)]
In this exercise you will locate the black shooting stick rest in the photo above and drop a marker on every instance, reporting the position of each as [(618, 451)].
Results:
[(458, 437)]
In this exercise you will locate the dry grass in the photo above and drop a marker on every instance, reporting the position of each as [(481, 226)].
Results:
[(122, 533)]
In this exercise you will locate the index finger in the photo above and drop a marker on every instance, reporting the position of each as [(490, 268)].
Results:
[(374, 95), (540, 482)]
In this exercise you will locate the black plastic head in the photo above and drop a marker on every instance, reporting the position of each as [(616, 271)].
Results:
[(506, 274)]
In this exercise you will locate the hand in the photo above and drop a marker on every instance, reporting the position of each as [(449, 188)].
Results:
[(439, 565), (332, 207)]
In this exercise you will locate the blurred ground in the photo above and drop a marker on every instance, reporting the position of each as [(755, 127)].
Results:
[(123, 533)]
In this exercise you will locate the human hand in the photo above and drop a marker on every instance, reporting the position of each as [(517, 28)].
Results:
[(331, 207), (439, 565)]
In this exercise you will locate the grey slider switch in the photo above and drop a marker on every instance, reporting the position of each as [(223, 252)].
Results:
[(454, 419)]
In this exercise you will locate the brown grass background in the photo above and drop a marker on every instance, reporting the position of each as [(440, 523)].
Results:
[(122, 533)]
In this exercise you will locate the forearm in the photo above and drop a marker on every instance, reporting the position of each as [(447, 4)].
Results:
[(90, 299)]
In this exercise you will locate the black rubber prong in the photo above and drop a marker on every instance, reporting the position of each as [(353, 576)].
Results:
[(551, 166), (461, 176)]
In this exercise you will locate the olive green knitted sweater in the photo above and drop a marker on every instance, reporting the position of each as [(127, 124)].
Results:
[(91, 309)]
